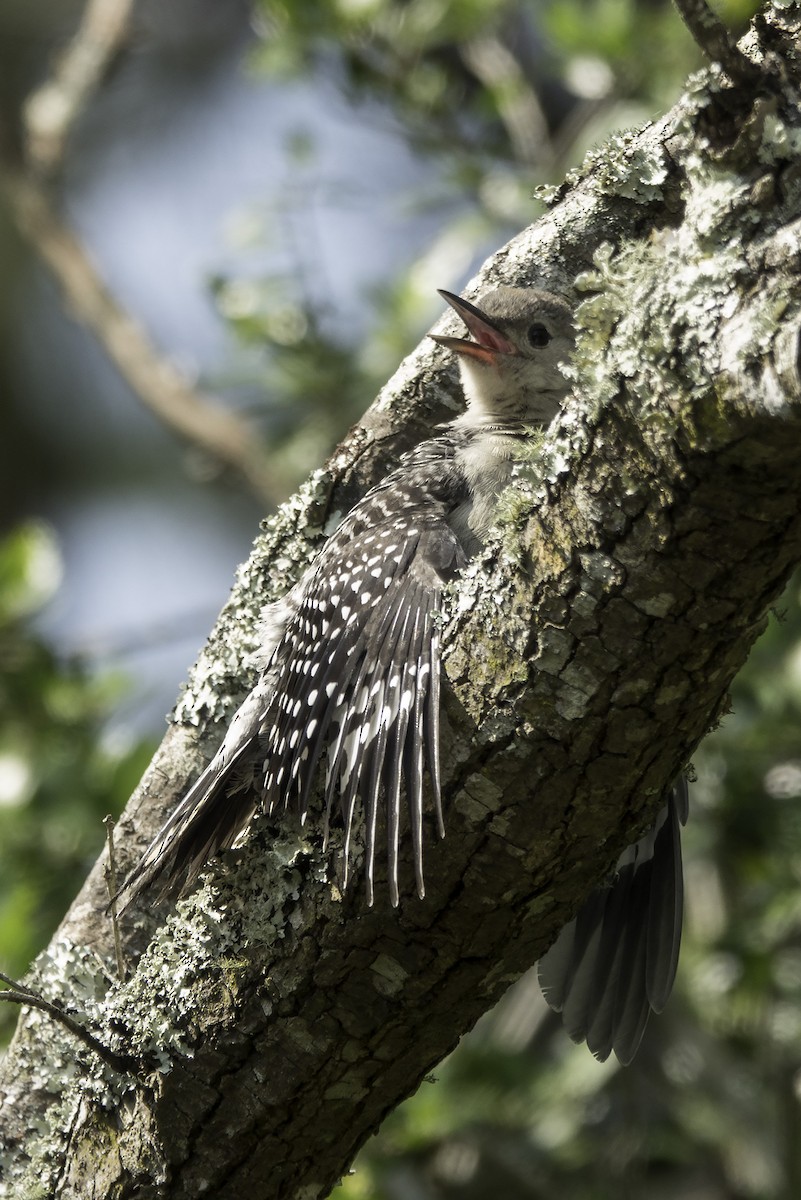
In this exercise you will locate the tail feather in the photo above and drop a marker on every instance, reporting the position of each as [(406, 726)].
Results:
[(616, 961), (211, 815)]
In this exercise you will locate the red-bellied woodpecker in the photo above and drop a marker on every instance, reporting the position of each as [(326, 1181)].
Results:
[(352, 678)]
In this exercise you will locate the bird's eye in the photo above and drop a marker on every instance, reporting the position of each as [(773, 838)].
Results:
[(538, 336)]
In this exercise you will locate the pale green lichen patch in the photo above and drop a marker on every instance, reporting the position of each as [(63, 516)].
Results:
[(547, 193), (751, 334), (626, 165), (64, 1069), (652, 314), (779, 140), (716, 192), (198, 950), (656, 308)]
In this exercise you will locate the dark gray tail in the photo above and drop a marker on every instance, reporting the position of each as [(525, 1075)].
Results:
[(616, 961), (209, 819), (211, 815)]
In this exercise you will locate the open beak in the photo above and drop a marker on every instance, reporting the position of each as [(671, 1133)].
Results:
[(488, 341)]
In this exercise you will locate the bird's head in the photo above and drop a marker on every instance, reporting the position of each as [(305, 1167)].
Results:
[(511, 364)]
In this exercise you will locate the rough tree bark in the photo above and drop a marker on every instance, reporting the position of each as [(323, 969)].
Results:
[(277, 1022)]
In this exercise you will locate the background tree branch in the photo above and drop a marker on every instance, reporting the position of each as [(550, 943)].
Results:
[(52, 110), (197, 418), (588, 654), (48, 119)]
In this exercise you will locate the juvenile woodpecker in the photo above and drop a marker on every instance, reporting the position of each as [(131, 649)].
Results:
[(351, 677)]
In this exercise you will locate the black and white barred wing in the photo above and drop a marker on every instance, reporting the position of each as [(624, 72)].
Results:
[(358, 685), (351, 678), (616, 962)]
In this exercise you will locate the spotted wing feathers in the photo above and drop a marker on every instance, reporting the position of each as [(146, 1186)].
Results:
[(359, 685), (351, 681)]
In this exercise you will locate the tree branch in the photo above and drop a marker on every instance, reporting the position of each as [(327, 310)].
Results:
[(501, 74), (48, 118), (19, 994), (52, 110), (587, 655), (717, 44), (200, 420)]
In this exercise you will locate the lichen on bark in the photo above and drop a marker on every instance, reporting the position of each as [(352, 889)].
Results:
[(588, 651)]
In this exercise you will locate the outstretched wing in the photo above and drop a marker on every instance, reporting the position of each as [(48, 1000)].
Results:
[(616, 961), (358, 684), (353, 679)]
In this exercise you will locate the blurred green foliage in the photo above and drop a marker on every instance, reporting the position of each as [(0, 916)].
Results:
[(60, 773)]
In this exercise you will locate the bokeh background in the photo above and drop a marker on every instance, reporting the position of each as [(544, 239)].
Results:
[(273, 191)]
